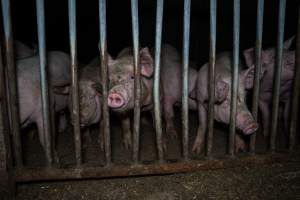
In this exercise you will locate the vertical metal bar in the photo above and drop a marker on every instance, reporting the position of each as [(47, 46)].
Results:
[(296, 90), (137, 81), (235, 74), (7, 185), (12, 83), (278, 70), (40, 11), (104, 79), (258, 46), (156, 87), (211, 72), (74, 75), (185, 78)]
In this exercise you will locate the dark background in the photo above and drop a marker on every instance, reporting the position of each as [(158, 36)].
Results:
[(119, 25)]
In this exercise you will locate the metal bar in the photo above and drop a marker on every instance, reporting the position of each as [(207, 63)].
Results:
[(7, 188), (211, 72), (279, 62), (235, 74), (185, 78), (44, 174), (104, 79), (137, 81), (156, 86), (296, 88), (12, 83), (40, 12), (74, 76), (258, 46)]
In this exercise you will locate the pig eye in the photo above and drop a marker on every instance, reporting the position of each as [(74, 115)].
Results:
[(131, 77)]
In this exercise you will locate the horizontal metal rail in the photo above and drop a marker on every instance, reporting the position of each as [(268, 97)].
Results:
[(46, 174)]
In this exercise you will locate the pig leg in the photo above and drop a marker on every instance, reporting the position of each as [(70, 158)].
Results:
[(198, 144), (126, 132), (169, 118), (265, 111), (239, 144), (163, 137)]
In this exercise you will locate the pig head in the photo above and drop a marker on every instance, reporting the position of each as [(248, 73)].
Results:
[(121, 80)]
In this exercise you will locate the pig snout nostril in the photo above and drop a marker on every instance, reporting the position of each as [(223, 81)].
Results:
[(115, 100)]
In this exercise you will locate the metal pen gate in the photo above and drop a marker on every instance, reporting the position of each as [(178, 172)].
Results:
[(11, 166)]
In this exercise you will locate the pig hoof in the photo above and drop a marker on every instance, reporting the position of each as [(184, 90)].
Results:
[(240, 147), (197, 147)]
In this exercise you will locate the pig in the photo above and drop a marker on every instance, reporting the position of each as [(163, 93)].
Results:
[(245, 121), (23, 51), (266, 85), (121, 93), (29, 93), (90, 98), (171, 80)]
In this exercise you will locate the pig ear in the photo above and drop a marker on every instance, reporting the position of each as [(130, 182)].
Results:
[(146, 62), (62, 90), (288, 43), (249, 56), (97, 87), (247, 76), (222, 89)]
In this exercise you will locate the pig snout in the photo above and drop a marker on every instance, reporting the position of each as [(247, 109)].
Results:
[(116, 100), (246, 123)]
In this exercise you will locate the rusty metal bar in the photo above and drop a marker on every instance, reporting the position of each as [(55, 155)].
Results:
[(74, 76), (12, 83), (258, 46), (185, 78), (104, 80), (296, 91), (235, 74), (211, 73), (137, 81), (44, 174), (156, 86), (40, 12), (278, 69)]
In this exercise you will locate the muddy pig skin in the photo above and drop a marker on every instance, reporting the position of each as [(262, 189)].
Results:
[(266, 84), (29, 93), (245, 122)]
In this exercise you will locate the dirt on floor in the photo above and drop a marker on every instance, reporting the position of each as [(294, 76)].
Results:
[(276, 181)]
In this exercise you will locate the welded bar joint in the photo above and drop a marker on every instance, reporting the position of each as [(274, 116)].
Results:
[(235, 75), (11, 81), (137, 81), (74, 76), (40, 11), (211, 73), (278, 70), (258, 47), (296, 88), (156, 87), (104, 125), (185, 77)]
